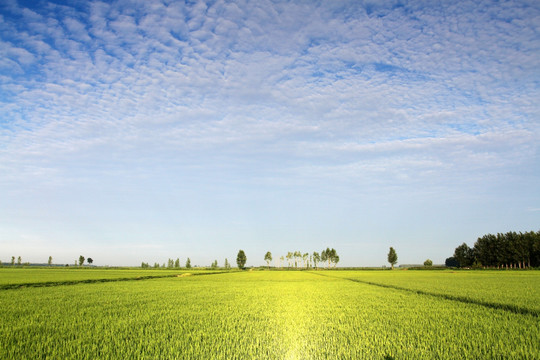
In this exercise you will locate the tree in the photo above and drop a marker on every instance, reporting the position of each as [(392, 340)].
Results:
[(156, 265), (13, 260), (305, 258), (241, 259), (188, 263), (90, 261), (332, 257), (324, 255), (451, 262), (177, 263), (268, 258), (392, 257), (19, 260), (144, 265), (336, 260), (464, 255), (428, 262), (214, 265), (281, 258), (316, 258), (297, 255), (170, 263), (227, 265), (289, 258), (81, 260), (50, 260)]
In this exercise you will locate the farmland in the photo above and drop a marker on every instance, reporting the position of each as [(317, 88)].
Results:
[(276, 315)]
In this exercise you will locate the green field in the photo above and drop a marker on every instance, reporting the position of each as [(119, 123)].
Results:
[(276, 315), (10, 277)]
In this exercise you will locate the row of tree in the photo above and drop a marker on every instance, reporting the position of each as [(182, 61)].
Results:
[(171, 264), (175, 264), (510, 250), (80, 262), (305, 260), (296, 258)]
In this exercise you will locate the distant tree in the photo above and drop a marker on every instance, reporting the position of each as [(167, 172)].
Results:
[(81, 260), (214, 265), (451, 262), (281, 259), (297, 256), (305, 258), (90, 261), (324, 255), (170, 263), (1, 263), (13, 260), (464, 255), (241, 259), (428, 262), (332, 257), (50, 260), (177, 263), (289, 258), (144, 265), (227, 265), (188, 263), (316, 258), (268, 258), (19, 260), (392, 257), (156, 265)]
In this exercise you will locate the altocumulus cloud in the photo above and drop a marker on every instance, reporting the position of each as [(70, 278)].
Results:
[(367, 94)]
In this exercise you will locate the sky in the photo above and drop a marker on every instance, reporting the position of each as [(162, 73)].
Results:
[(142, 130)]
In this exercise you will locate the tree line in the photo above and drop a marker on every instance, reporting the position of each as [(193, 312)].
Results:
[(79, 262), (296, 259), (511, 250)]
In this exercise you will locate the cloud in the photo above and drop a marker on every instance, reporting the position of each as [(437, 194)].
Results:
[(315, 82)]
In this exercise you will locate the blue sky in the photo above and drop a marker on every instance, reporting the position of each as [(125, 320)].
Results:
[(142, 130)]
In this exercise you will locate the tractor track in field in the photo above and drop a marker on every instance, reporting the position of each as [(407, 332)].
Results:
[(463, 299)]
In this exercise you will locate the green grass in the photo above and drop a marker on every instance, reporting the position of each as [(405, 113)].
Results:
[(263, 315), (55, 275), (519, 289)]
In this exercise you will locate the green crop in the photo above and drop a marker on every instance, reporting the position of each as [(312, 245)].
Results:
[(259, 315), (507, 289), (14, 277)]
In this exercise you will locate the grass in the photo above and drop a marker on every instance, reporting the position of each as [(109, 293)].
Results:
[(45, 276), (270, 315)]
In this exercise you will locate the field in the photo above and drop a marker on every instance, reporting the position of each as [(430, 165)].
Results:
[(273, 315)]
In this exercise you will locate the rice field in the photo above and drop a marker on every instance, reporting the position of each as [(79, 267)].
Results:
[(276, 315), (13, 277)]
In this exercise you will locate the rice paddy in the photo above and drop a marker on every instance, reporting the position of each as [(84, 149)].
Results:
[(276, 315)]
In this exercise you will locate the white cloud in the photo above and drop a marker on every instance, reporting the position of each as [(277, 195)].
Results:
[(349, 90)]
